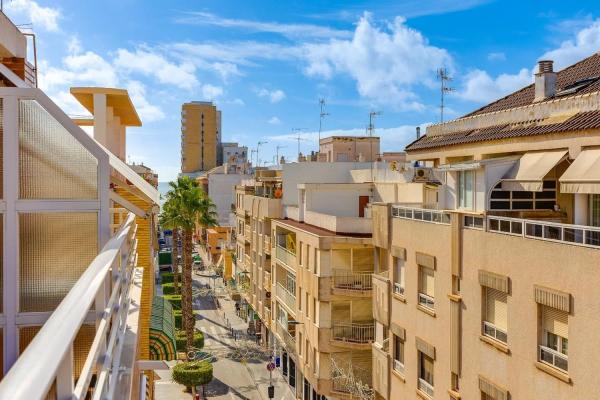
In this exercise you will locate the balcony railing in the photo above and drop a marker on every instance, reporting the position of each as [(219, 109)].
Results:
[(494, 332), (248, 261), (267, 280), (398, 366), (421, 214), (267, 244), (473, 221), (426, 301), (566, 233), (267, 316), (349, 332), (554, 358), (288, 340), (425, 387), (247, 232), (48, 359), (347, 280), (286, 297), (285, 256)]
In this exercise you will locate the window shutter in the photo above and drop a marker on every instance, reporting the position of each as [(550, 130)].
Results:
[(556, 321), (427, 282), (496, 309)]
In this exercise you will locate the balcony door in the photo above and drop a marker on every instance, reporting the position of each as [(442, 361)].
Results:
[(362, 204)]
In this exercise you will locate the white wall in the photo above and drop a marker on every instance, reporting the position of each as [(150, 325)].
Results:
[(221, 189), (342, 202)]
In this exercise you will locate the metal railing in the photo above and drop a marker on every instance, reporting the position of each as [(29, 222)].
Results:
[(572, 234), (426, 301), (347, 280), (288, 340), (247, 233), (398, 366), (425, 387), (494, 332), (350, 332), (286, 297), (49, 358), (554, 358), (421, 214), (267, 316), (285, 256), (267, 280), (473, 221)]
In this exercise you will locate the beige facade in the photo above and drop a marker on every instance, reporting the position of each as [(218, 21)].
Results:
[(490, 291), (349, 148), (200, 136)]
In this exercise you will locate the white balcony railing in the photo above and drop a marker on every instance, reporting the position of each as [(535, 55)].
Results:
[(288, 340), (398, 289), (247, 233), (285, 256), (286, 297), (494, 332), (48, 359), (425, 387), (267, 280), (421, 214), (572, 234), (360, 333), (398, 366), (426, 301), (554, 358), (347, 280)]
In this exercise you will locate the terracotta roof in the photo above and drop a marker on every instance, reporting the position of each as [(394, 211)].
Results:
[(580, 121), (586, 68)]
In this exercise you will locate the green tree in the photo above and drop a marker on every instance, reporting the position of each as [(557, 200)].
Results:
[(168, 220)]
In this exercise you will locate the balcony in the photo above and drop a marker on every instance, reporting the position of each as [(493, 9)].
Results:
[(554, 358), (285, 256), (286, 297), (352, 283), (267, 281), (288, 340), (267, 316), (247, 261), (353, 333), (336, 223), (421, 214), (425, 387), (267, 244), (247, 233)]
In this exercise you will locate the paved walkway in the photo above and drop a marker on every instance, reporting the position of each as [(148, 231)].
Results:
[(240, 368)]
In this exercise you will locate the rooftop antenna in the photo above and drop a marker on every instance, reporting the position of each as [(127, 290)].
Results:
[(442, 75), (257, 150), (322, 115), (298, 138), (279, 146), (252, 151), (372, 116)]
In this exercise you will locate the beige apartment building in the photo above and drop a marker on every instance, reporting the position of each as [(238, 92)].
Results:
[(349, 148), (489, 290), (200, 137)]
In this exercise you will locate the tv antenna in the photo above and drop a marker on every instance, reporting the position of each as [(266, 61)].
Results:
[(442, 75), (257, 149), (279, 146), (322, 115), (372, 116), (298, 138), (252, 151)]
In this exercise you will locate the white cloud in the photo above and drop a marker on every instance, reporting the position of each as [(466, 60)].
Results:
[(237, 102), (496, 56), (239, 53), (147, 111), (274, 121), (288, 30), (481, 87), (86, 68), (225, 70), (274, 96), (46, 17), (211, 92), (150, 63), (385, 63), (585, 43)]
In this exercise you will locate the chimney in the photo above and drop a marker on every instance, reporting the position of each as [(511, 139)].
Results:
[(418, 132), (545, 81)]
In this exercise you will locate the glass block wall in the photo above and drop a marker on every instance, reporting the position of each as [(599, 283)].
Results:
[(55, 249), (52, 163)]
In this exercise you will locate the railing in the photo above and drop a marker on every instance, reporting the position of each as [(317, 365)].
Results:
[(267, 316), (347, 280), (247, 233), (425, 387), (566, 233), (285, 256), (398, 366), (494, 332), (48, 359), (247, 261), (554, 358), (426, 301), (473, 221), (286, 296), (267, 280), (421, 214), (288, 340), (398, 289), (349, 332), (267, 244)]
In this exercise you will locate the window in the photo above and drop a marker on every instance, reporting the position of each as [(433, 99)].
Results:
[(522, 200), (426, 287), (426, 374), (306, 305), (314, 309), (300, 299), (308, 256), (399, 275), (315, 261), (555, 338), (495, 320), (595, 209), (398, 354), (465, 189)]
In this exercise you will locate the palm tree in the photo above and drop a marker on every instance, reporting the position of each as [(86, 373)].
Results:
[(190, 205), (168, 220)]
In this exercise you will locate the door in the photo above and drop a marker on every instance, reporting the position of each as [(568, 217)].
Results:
[(362, 204)]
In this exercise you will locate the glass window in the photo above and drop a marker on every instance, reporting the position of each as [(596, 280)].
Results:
[(399, 279), (595, 209), (495, 322), (555, 338), (398, 350), (466, 183), (523, 200), (426, 368), (426, 287)]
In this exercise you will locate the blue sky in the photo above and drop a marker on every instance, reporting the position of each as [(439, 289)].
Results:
[(266, 64)]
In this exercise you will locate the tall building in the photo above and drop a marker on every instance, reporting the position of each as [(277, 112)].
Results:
[(200, 137), (489, 289)]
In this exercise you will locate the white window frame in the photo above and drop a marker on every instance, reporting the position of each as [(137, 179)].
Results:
[(460, 183), (398, 364), (399, 280)]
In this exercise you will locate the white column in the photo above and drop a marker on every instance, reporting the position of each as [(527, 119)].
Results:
[(100, 121), (581, 209)]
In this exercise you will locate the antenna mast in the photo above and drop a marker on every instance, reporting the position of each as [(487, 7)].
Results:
[(257, 149), (442, 75), (277, 152), (298, 139), (322, 115), (372, 116)]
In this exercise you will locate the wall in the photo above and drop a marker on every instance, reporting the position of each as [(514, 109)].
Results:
[(221, 189), (319, 198)]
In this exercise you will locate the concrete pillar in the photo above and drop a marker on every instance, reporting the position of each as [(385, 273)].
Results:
[(122, 142), (100, 121), (581, 209)]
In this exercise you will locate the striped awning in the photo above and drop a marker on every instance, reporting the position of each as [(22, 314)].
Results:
[(162, 330)]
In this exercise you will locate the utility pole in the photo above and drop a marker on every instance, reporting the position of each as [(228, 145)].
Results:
[(322, 115), (257, 150), (277, 153), (442, 75), (298, 138)]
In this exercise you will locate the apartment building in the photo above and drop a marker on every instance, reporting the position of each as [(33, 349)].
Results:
[(349, 148), (200, 137), (76, 238), (489, 292)]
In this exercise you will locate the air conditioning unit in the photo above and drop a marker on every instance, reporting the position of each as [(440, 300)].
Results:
[(423, 175)]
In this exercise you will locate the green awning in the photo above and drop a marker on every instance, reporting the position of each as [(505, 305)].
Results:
[(162, 330)]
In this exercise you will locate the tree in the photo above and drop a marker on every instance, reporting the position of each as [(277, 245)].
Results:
[(188, 205), (168, 220), (193, 373)]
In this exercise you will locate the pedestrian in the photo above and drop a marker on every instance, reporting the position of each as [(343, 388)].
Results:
[(237, 308)]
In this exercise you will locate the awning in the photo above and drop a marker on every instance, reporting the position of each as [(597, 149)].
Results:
[(583, 176), (162, 330), (529, 172)]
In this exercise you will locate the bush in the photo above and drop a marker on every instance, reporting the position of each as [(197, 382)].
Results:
[(174, 299), (178, 319), (193, 373), (167, 277), (180, 340), (169, 288)]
